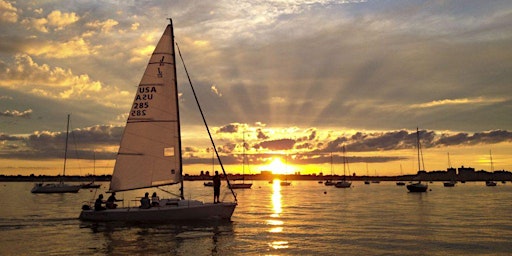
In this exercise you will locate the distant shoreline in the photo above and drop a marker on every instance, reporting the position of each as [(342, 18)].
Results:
[(424, 176)]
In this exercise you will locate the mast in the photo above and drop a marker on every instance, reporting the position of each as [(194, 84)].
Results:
[(418, 146), (182, 194), (66, 149), (492, 165), (243, 157)]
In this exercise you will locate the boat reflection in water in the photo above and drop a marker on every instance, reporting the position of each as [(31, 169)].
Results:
[(274, 221)]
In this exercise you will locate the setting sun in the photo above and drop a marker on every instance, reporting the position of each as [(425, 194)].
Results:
[(277, 167)]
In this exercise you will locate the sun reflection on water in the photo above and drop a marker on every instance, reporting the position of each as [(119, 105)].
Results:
[(276, 225)]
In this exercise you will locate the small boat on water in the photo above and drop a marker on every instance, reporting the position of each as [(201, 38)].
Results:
[(48, 188), (90, 185), (490, 183), (61, 187), (243, 184), (449, 183), (150, 153), (344, 183), (400, 183), (418, 186), (208, 183), (285, 183), (329, 183)]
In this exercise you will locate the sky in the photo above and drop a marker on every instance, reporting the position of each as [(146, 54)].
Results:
[(295, 86)]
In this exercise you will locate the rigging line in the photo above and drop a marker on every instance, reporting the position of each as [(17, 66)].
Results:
[(204, 121), (76, 147)]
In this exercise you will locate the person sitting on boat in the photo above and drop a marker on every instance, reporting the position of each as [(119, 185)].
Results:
[(155, 200), (144, 202), (216, 187), (111, 201), (98, 205)]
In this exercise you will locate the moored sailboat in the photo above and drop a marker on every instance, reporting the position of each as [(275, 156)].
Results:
[(418, 186), (61, 187), (243, 184), (344, 183), (150, 153), (491, 183)]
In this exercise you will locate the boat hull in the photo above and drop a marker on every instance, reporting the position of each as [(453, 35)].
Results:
[(183, 210), (241, 185), (54, 188), (417, 187), (343, 184)]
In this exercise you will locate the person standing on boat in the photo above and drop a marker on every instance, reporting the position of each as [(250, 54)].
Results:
[(98, 205), (111, 201), (216, 187)]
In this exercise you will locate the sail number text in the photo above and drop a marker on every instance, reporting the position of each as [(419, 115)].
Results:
[(142, 100)]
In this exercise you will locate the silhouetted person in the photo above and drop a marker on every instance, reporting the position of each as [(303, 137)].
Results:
[(111, 201), (216, 187), (155, 200), (144, 202), (98, 205)]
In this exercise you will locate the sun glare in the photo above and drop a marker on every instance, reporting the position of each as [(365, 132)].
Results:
[(277, 166)]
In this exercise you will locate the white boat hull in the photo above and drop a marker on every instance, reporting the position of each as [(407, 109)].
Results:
[(173, 210), (55, 188)]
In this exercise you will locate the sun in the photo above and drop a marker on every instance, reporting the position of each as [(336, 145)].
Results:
[(277, 166)]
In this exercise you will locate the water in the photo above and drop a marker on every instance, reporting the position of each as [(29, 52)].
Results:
[(306, 218)]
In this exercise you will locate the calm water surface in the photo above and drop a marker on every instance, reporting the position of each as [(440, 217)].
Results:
[(306, 218)]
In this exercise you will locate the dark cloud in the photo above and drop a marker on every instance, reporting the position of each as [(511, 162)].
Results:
[(230, 128), (262, 135), (280, 144)]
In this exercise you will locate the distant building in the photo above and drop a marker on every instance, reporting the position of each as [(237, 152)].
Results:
[(467, 173)]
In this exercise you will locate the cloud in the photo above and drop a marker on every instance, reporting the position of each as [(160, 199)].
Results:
[(16, 113), (102, 139), (216, 91), (60, 20), (56, 20), (9, 13), (74, 47), (279, 144), (106, 26), (465, 101), (53, 82), (230, 128)]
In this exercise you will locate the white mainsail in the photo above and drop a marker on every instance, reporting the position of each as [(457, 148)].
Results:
[(150, 150)]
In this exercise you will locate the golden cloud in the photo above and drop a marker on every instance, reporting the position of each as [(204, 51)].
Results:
[(104, 26), (8, 12), (60, 20), (75, 47)]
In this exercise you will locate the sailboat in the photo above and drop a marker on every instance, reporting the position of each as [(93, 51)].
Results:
[(60, 187), (242, 185), (452, 181), (330, 182), (418, 186), (400, 183), (92, 184), (344, 183), (367, 182), (150, 153), (491, 183)]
